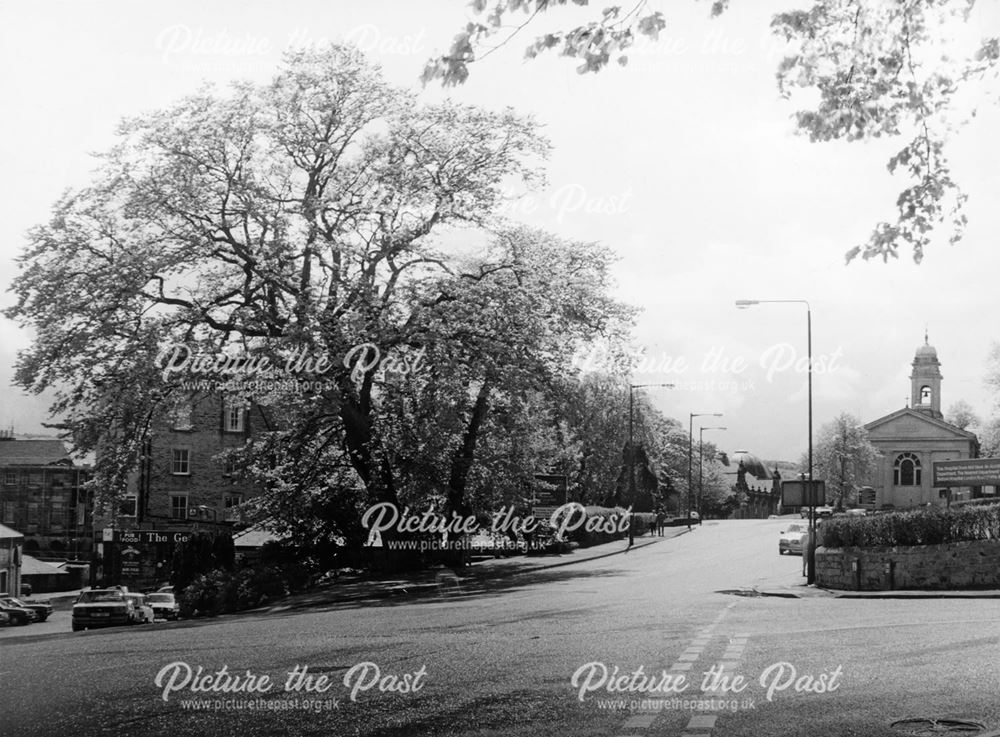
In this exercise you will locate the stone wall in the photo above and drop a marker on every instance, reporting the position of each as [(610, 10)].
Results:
[(963, 565)]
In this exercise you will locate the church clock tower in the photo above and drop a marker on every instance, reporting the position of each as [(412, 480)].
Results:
[(925, 381)]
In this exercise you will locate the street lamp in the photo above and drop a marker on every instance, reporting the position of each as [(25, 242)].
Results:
[(701, 462), (691, 451), (744, 304), (631, 447)]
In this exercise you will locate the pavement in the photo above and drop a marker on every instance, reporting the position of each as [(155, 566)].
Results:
[(354, 589)]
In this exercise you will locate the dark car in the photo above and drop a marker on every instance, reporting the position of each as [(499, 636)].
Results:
[(17, 615), (101, 608), (164, 605), (41, 608)]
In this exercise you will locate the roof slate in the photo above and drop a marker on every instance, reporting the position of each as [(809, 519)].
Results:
[(32, 452)]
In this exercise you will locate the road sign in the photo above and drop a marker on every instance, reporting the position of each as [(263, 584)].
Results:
[(803, 493), (543, 512), (554, 491), (971, 472)]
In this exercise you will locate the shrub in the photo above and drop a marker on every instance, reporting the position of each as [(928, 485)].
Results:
[(203, 552), (207, 595), (609, 516), (932, 526)]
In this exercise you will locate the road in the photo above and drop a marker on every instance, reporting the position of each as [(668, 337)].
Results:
[(499, 658)]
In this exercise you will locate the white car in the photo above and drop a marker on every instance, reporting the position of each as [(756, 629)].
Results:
[(140, 612), (793, 539)]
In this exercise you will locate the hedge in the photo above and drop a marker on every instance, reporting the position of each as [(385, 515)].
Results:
[(933, 526)]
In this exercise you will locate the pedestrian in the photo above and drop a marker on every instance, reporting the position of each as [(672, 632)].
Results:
[(659, 523)]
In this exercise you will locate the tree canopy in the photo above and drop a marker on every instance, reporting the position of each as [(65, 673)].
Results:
[(323, 214), (844, 457), (871, 69)]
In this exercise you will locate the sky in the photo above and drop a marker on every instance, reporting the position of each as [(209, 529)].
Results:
[(686, 163)]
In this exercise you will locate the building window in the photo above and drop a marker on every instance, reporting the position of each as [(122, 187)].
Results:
[(9, 512), (10, 478), (34, 478), (906, 471), (3, 582), (229, 467), (180, 416), (180, 461), (178, 506), (925, 395), (234, 417), (127, 507), (230, 507)]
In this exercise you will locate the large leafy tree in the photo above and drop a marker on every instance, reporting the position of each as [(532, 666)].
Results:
[(318, 212), (962, 415), (844, 458), (872, 68)]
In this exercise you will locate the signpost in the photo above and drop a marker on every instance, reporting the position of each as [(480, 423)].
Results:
[(543, 512), (547, 500), (971, 472), (803, 493)]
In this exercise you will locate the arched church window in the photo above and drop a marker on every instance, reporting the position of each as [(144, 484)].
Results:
[(925, 395), (906, 470)]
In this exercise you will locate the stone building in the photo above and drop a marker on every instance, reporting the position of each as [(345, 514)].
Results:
[(42, 496), (912, 438), (184, 483)]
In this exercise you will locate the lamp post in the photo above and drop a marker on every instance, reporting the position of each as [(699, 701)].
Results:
[(811, 553), (701, 462), (631, 447), (691, 451)]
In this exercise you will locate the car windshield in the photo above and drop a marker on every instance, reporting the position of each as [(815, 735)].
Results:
[(160, 598), (90, 596), (796, 528)]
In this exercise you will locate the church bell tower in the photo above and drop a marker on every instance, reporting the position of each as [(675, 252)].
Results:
[(925, 381)]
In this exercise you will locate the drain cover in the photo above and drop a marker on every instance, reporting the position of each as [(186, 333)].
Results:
[(931, 727)]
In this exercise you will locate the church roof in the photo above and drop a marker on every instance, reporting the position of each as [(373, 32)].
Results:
[(923, 417), (926, 350)]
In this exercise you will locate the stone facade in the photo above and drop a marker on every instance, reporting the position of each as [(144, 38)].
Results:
[(912, 439), (42, 497), (183, 476), (184, 484), (962, 565)]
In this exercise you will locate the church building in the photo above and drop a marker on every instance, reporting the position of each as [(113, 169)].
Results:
[(911, 439)]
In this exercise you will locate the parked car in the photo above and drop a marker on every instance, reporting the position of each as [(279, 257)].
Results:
[(41, 608), (164, 605), (4, 619), (856, 512), (793, 539), (18, 615), (140, 610), (101, 608)]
